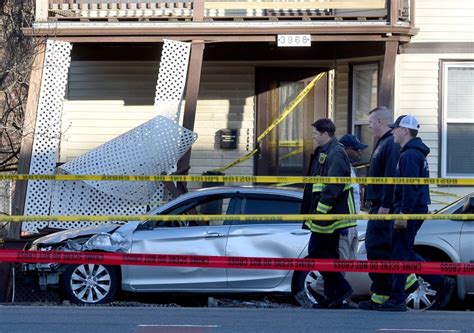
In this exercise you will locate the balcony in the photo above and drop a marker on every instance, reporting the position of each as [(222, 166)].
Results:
[(392, 12)]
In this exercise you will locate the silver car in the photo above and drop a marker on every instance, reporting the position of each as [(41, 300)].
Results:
[(88, 283)]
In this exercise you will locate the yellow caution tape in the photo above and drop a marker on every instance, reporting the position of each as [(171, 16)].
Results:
[(287, 144), (446, 194), (361, 166), (440, 202), (250, 179), (293, 153), (237, 161), (259, 217), (291, 106)]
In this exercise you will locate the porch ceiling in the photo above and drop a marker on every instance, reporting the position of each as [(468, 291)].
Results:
[(219, 31), (264, 51)]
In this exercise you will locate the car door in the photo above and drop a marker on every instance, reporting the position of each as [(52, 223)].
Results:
[(466, 242), (190, 238), (467, 251), (264, 239)]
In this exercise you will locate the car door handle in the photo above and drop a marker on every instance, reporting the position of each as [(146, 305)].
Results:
[(213, 234), (301, 232)]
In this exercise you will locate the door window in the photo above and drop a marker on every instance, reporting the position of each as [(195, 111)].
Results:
[(364, 99), (215, 205), (269, 206)]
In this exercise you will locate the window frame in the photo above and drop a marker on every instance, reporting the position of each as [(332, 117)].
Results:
[(354, 69), (445, 65)]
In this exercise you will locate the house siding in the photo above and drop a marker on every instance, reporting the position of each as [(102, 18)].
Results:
[(417, 92), (444, 20), (106, 99)]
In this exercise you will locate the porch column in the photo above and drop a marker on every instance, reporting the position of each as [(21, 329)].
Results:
[(41, 10), (192, 92), (388, 73), (26, 148)]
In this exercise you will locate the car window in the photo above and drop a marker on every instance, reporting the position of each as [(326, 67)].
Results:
[(214, 205), (275, 205)]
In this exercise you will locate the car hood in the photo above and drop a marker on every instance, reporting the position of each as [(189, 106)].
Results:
[(62, 236)]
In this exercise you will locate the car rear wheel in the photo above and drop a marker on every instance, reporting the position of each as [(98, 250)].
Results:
[(90, 283)]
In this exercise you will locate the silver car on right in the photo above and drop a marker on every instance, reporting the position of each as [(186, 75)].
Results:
[(437, 241)]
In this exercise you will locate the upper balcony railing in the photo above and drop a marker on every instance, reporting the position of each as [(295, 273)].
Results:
[(391, 11)]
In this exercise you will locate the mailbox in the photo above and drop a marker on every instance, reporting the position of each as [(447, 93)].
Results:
[(228, 138)]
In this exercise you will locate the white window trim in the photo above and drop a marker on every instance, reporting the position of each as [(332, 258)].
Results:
[(445, 120), (355, 68)]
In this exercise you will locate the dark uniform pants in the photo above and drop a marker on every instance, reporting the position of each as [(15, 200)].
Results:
[(402, 242), (325, 246), (377, 244)]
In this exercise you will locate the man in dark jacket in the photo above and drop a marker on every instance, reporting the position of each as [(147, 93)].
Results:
[(409, 199), (329, 160), (383, 163)]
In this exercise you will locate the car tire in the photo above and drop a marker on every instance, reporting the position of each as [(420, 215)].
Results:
[(301, 294), (89, 283)]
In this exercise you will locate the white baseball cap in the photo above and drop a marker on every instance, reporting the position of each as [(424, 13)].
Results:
[(406, 121)]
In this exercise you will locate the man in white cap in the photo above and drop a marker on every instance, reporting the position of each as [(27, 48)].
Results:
[(410, 199)]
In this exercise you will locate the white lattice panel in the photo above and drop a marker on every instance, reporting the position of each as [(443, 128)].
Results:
[(47, 131), (172, 78), (78, 198), (150, 149)]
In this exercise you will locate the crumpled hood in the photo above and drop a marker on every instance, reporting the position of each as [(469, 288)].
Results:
[(61, 236)]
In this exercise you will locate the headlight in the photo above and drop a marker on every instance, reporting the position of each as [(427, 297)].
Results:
[(107, 242), (100, 241)]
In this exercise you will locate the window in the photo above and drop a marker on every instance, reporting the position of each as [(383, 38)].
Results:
[(457, 134), (269, 206), (364, 99), (217, 204)]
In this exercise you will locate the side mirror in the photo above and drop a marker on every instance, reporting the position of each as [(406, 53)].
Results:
[(468, 206)]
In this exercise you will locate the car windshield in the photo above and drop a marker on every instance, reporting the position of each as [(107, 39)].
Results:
[(455, 207)]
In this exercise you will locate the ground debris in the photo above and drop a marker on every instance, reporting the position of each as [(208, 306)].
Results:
[(236, 303)]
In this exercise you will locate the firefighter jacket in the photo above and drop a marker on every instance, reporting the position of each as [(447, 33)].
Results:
[(329, 160), (383, 163)]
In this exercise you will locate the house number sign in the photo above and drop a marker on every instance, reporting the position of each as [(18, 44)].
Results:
[(294, 40)]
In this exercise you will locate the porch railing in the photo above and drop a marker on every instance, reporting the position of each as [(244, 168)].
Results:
[(359, 10)]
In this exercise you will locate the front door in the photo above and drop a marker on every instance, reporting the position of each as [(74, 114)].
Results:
[(285, 151)]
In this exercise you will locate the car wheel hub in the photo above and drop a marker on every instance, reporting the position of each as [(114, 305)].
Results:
[(90, 283), (423, 297), (311, 279)]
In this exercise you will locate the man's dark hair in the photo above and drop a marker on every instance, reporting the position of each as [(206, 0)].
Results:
[(379, 108), (413, 132), (325, 125)]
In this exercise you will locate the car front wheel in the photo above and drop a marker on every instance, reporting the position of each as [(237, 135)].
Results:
[(424, 297), (300, 288), (90, 283)]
